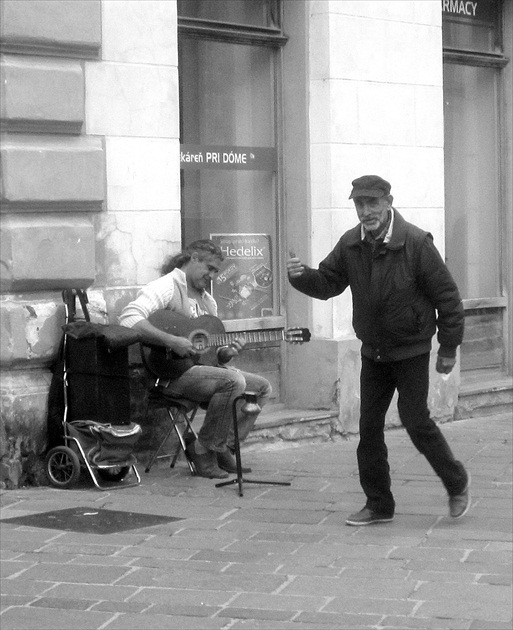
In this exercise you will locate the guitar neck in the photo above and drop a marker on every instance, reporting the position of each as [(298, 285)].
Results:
[(251, 336)]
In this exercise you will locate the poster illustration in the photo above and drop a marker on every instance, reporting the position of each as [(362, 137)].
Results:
[(243, 289)]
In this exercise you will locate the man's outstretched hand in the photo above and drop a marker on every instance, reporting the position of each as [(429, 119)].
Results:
[(295, 267)]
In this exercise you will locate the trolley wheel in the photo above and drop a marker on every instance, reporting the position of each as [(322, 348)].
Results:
[(62, 467), (117, 473)]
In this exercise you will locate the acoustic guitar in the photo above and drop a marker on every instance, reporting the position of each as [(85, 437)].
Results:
[(206, 333)]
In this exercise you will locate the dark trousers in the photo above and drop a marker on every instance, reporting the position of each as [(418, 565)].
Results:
[(378, 382)]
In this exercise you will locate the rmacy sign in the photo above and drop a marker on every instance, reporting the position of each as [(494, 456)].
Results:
[(460, 7)]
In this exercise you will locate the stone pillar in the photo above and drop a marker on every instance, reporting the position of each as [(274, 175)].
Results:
[(52, 184), (90, 183), (375, 108)]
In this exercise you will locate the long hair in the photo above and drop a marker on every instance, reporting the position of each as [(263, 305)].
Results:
[(203, 247)]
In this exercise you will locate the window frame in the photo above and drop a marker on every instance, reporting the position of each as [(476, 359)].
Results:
[(451, 55), (272, 37)]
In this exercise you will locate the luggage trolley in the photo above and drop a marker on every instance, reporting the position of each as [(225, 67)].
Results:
[(97, 432)]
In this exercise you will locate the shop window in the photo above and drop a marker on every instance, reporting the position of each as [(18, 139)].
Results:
[(472, 63), (229, 103)]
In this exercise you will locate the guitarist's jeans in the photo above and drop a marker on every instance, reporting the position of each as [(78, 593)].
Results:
[(219, 387)]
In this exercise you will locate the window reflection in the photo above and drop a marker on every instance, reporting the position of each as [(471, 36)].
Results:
[(471, 172)]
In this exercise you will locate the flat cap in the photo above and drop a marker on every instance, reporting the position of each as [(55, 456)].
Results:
[(369, 186)]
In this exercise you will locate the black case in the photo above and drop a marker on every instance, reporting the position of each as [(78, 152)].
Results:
[(98, 382)]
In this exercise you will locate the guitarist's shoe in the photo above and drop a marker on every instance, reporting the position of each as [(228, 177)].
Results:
[(205, 465), (227, 462)]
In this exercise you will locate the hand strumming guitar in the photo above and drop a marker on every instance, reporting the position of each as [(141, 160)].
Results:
[(181, 346)]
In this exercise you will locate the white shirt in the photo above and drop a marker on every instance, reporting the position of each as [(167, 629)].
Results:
[(169, 291)]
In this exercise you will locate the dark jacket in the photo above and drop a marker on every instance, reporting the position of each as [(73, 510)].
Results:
[(402, 291)]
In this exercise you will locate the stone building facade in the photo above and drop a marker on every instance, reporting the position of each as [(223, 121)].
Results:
[(92, 189)]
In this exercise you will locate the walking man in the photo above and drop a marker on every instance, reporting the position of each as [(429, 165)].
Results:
[(402, 294)]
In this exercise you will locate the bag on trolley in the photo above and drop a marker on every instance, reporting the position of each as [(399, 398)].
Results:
[(105, 444), (89, 401)]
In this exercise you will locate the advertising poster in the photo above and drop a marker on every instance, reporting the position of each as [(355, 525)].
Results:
[(243, 289)]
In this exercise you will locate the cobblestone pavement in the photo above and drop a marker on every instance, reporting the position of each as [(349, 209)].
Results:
[(279, 557)]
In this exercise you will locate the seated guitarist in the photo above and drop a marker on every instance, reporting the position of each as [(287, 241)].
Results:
[(182, 288)]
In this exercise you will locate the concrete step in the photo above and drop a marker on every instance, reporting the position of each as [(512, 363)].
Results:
[(484, 392), (279, 426)]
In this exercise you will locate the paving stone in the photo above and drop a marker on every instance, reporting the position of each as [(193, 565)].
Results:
[(250, 528), (177, 610), (156, 552), (312, 571), (442, 566), (116, 561), (200, 580), (120, 607), (452, 543), (499, 546), (62, 603), (15, 600), (13, 567), (182, 596), (442, 577), (473, 593), (440, 554), (10, 554), (424, 623), (21, 586), (253, 567), (385, 588), (490, 557), (67, 573), (490, 625), (321, 620), (463, 609), (30, 543), (371, 605), (45, 556), (264, 548), (504, 579), (344, 551), (279, 602), (263, 624), (26, 618), (237, 556), (255, 613), (281, 516), (289, 537), (148, 621), (389, 569), (192, 543), (84, 549), (180, 565), (97, 592)]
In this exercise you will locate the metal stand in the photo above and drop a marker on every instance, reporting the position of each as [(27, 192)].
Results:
[(251, 398)]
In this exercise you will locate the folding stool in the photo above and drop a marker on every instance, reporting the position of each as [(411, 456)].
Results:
[(179, 411)]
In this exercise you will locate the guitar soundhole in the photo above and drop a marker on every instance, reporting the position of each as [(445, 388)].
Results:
[(200, 341)]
